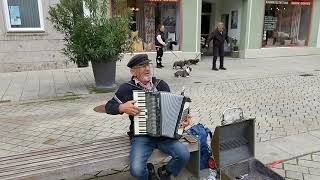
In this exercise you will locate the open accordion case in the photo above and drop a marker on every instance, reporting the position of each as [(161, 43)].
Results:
[(233, 147)]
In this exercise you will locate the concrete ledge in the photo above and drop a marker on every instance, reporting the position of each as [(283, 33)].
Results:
[(35, 66), (279, 52), (288, 147)]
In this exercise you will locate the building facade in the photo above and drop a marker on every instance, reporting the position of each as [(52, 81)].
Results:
[(28, 40), (262, 28), (267, 28)]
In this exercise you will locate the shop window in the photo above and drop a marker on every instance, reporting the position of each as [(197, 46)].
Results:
[(286, 23), (206, 18), (22, 15), (166, 13), (147, 16)]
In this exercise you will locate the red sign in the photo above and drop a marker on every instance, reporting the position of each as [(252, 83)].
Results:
[(292, 2), (301, 2)]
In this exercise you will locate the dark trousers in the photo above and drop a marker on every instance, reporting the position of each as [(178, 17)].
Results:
[(159, 55), (218, 51)]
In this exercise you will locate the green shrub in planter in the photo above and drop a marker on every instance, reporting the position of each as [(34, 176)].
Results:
[(96, 36)]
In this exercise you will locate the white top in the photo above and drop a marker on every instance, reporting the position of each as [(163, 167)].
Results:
[(160, 40)]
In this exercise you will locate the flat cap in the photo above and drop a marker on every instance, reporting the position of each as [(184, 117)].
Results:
[(138, 59)]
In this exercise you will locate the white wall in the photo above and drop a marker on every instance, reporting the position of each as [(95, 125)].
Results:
[(32, 50), (225, 7)]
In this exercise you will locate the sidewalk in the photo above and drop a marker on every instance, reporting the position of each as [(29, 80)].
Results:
[(17, 86), (57, 105)]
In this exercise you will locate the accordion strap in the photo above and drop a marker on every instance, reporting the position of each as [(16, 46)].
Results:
[(134, 85), (157, 81)]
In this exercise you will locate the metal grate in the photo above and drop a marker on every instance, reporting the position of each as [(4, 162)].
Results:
[(233, 143)]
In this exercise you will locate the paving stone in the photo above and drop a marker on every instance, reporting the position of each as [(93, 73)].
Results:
[(292, 161), (4, 152), (306, 157), (281, 172), (311, 177), (5, 146), (316, 157), (294, 175), (295, 168), (35, 145), (314, 171), (306, 163)]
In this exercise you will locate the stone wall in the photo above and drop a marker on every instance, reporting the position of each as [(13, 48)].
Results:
[(21, 51)]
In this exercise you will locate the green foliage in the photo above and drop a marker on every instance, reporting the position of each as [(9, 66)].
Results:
[(95, 37), (234, 44)]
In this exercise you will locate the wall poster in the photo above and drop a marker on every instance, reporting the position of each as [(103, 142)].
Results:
[(234, 19), (15, 18)]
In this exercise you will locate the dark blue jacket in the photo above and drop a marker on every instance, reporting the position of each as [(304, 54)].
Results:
[(124, 94)]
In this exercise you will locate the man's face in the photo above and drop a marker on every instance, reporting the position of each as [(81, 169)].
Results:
[(162, 29), (142, 72), (220, 28)]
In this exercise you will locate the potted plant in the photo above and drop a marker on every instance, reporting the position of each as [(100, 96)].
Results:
[(94, 36), (234, 48)]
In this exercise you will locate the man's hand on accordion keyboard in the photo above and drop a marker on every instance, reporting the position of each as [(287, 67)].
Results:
[(129, 108)]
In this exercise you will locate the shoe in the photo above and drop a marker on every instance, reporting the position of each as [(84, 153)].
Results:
[(161, 65), (158, 66), (215, 69), (223, 68), (163, 173), (152, 173)]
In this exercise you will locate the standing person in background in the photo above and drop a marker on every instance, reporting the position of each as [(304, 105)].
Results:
[(218, 36), (160, 43)]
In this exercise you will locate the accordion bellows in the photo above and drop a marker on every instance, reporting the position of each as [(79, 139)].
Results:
[(160, 113)]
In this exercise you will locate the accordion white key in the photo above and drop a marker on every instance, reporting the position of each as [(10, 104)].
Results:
[(160, 113)]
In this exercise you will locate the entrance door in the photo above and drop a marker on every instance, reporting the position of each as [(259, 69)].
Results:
[(205, 25), (225, 20)]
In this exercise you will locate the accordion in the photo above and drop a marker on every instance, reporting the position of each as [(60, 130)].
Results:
[(160, 113)]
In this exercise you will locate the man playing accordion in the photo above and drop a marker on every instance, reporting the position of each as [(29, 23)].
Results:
[(143, 146)]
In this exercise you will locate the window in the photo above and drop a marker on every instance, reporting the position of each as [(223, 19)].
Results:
[(286, 23), (23, 15), (205, 19), (147, 16)]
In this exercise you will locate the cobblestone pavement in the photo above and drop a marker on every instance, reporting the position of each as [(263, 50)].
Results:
[(283, 106), (283, 102), (306, 167)]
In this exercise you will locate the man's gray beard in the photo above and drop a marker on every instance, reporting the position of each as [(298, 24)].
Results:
[(146, 78)]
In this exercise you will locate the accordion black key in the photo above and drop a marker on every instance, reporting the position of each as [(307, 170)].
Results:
[(160, 113)]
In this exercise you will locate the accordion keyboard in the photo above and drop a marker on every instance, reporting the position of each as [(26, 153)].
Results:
[(140, 121)]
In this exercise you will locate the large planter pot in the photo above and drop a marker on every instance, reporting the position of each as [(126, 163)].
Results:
[(235, 54), (82, 64), (104, 74)]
